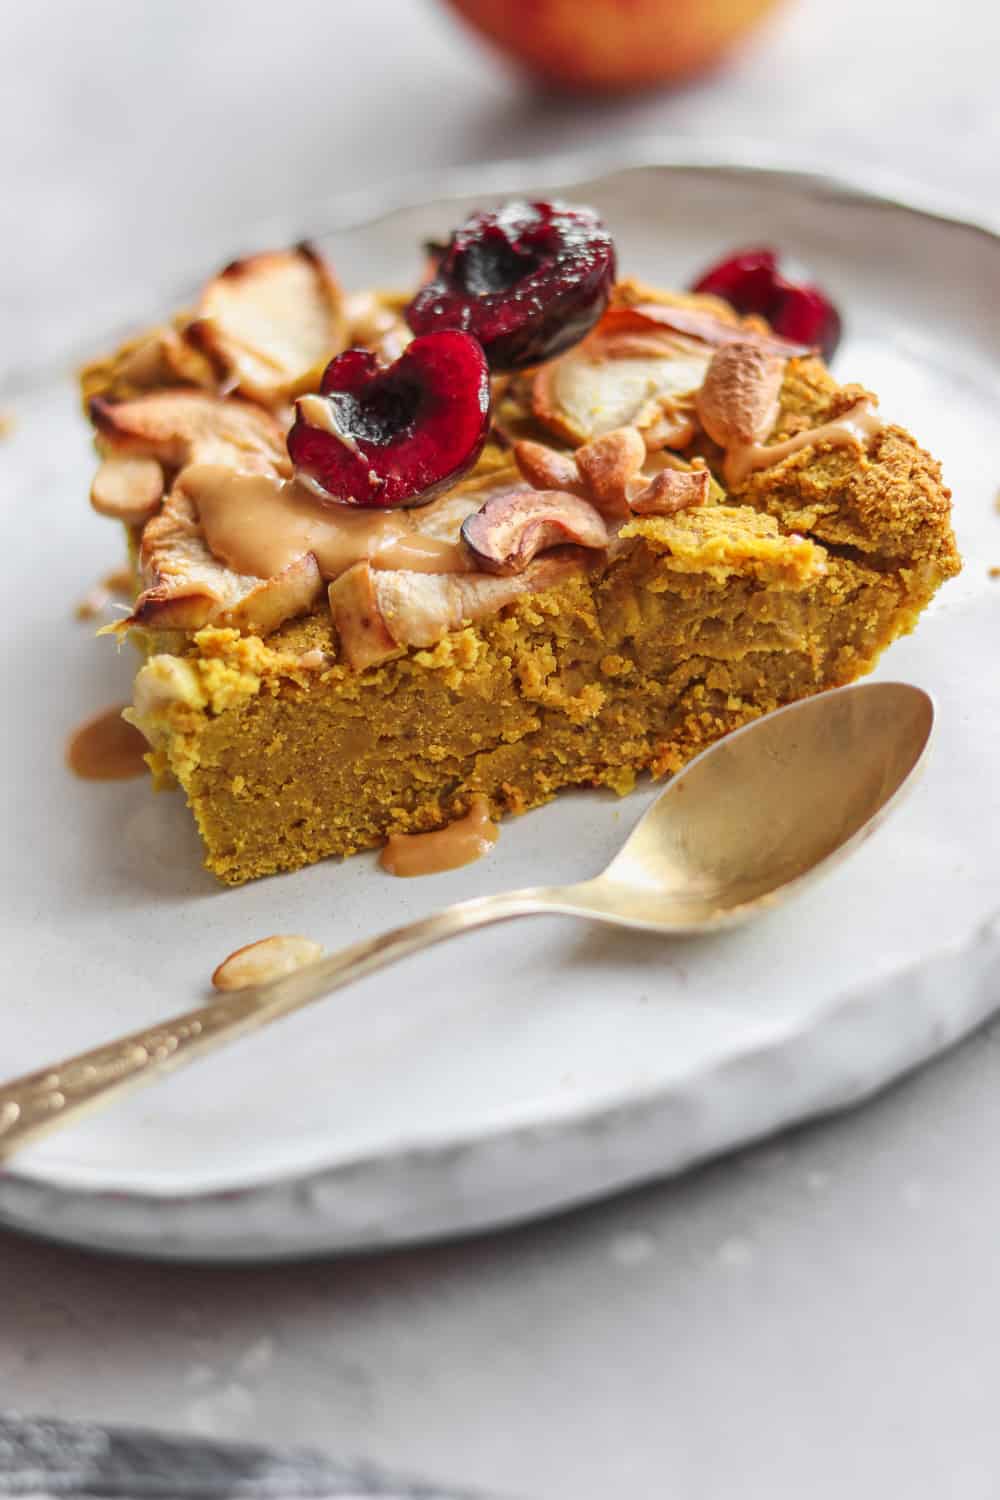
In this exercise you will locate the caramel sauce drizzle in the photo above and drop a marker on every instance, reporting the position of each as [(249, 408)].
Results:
[(259, 525), (857, 426), (460, 843)]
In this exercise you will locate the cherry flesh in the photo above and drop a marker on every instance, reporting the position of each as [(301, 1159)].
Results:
[(751, 282), (528, 279), (397, 434)]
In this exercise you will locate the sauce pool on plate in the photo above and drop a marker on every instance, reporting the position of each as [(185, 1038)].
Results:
[(105, 748), (460, 843)]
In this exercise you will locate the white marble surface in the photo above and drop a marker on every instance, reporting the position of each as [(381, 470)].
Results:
[(816, 1317)]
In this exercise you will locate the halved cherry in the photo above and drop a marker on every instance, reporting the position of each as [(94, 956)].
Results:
[(529, 280), (751, 282), (390, 435)]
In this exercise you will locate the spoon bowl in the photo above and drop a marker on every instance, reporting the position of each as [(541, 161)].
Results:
[(762, 811), (741, 828)]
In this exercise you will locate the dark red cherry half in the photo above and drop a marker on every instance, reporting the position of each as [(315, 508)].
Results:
[(397, 434), (751, 282), (529, 280)]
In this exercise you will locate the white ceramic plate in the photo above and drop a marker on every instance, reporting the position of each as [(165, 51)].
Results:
[(538, 1065)]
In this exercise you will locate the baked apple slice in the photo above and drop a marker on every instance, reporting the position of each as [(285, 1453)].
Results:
[(185, 586), (127, 489), (266, 321), (630, 372), (641, 367), (180, 427), (378, 613)]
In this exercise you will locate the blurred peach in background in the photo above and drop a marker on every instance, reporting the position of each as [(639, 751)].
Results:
[(613, 45)]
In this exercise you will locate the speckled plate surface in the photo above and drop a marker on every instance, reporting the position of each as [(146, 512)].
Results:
[(531, 1067)]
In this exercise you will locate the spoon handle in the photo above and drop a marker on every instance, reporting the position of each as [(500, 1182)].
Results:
[(39, 1103)]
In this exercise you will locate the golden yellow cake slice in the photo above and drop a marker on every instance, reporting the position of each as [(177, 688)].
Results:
[(677, 523)]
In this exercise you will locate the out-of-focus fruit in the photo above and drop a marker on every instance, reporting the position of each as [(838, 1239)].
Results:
[(613, 45), (529, 280), (383, 436), (751, 282)]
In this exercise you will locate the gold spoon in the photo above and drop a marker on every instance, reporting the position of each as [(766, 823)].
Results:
[(740, 829)]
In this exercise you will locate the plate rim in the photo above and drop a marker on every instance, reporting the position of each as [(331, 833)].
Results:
[(27, 1198), (361, 206), (356, 207)]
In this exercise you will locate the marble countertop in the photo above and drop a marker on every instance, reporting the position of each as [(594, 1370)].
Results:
[(817, 1316)]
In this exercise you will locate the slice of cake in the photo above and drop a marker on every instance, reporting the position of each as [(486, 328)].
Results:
[(533, 528)]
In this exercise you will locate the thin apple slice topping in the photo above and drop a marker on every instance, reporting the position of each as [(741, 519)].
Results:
[(184, 362), (510, 530), (262, 327), (127, 489), (641, 367), (289, 593), (365, 638), (675, 427), (163, 358), (620, 376), (380, 613), (159, 358), (689, 320), (375, 319), (441, 520), (181, 427), (269, 319), (186, 586)]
